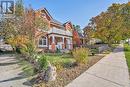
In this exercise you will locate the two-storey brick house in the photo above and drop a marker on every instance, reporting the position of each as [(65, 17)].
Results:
[(57, 36)]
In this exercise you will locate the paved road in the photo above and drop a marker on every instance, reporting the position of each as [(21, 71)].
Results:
[(111, 71), (11, 74)]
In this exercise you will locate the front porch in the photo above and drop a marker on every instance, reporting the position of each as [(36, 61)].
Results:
[(53, 42), (59, 42)]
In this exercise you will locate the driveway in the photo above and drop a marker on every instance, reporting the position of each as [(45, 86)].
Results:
[(11, 74)]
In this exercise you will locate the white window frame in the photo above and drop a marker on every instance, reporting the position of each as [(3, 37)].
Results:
[(39, 45), (43, 15)]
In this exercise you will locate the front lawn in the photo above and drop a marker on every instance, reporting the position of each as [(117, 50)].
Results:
[(127, 54), (59, 58)]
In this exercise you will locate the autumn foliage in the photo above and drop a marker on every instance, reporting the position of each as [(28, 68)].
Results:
[(110, 26), (22, 30), (76, 38)]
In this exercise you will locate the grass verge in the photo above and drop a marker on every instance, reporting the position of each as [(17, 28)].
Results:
[(127, 54)]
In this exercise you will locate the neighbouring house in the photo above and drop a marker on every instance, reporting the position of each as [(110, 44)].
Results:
[(78, 39), (57, 36), (82, 39)]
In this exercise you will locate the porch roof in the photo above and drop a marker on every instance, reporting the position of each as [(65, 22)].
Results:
[(60, 32)]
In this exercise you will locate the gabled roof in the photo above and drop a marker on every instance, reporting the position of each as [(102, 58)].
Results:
[(46, 12), (69, 22), (54, 21)]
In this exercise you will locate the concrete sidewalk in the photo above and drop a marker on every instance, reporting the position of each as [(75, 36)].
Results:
[(111, 71)]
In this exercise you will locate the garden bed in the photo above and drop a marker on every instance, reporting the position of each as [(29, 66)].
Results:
[(66, 75), (67, 67)]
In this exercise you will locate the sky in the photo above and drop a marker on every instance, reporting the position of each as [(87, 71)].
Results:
[(77, 11)]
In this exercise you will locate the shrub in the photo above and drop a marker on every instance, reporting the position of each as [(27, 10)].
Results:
[(18, 50), (68, 64), (94, 51), (19, 40), (58, 50), (58, 65), (30, 48), (42, 60), (80, 55)]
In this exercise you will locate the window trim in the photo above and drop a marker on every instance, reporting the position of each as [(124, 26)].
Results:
[(41, 38)]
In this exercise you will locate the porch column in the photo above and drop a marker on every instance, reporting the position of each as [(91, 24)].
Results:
[(53, 39), (53, 44), (71, 46), (63, 45)]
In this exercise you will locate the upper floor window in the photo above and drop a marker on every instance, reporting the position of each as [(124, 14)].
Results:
[(43, 15)]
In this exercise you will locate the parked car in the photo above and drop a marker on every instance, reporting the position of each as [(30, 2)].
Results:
[(6, 47)]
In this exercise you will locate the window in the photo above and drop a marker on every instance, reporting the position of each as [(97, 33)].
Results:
[(43, 42), (43, 15)]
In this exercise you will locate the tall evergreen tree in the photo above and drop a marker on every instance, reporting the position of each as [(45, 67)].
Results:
[(19, 8), (77, 28)]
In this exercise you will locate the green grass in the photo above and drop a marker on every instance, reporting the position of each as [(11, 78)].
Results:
[(127, 54), (27, 68), (60, 61), (64, 58)]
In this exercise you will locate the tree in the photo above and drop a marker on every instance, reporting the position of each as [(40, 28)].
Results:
[(88, 32), (125, 12), (23, 26), (11, 26), (76, 38), (41, 23), (76, 35), (111, 26), (77, 28), (29, 26), (8, 28), (19, 8)]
